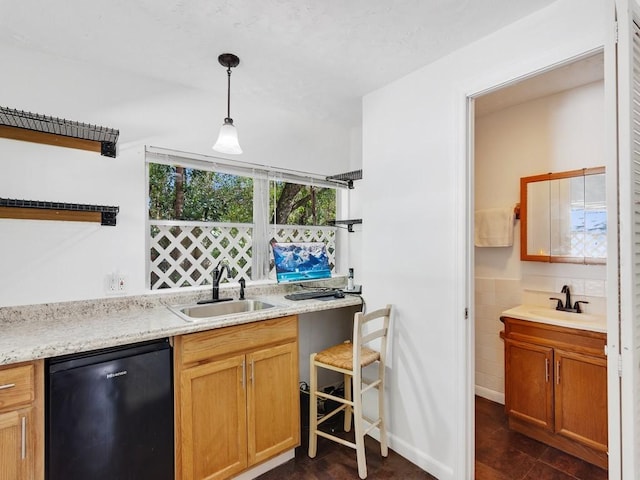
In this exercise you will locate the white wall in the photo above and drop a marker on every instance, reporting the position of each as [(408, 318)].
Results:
[(45, 261), (559, 132), (415, 238)]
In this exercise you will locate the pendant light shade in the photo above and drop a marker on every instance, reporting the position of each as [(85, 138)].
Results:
[(228, 137)]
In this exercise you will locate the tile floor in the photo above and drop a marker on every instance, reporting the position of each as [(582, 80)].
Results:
[(500, 455)]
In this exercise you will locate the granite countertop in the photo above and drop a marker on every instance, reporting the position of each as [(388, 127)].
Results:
[(49, 330)]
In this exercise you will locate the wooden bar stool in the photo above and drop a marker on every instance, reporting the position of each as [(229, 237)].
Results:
[(349, 359)]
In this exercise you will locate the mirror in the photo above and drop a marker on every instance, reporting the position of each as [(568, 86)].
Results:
[(563, 217)]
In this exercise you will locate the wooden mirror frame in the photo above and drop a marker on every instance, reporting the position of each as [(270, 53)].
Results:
[(524, 182)]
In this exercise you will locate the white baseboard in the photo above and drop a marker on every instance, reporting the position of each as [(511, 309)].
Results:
[(266, 466), (420, 458), (492, 395)]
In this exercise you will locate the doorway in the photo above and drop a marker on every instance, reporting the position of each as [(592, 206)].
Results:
[(548, 122)]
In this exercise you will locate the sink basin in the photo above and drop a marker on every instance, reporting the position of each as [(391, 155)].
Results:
[(536, 313), (209, 310)]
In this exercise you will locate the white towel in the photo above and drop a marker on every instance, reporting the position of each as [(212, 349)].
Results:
[(494, 227)]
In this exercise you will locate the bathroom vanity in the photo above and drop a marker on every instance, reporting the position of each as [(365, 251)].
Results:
[(556, 379)]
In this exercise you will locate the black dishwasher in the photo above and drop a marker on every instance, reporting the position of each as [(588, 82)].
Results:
[(109, 414)]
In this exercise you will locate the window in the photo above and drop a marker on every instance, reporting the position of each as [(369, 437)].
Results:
[(203, 212), (298, 204)]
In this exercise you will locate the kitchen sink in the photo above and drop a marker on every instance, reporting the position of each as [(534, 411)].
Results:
[(210, 310)]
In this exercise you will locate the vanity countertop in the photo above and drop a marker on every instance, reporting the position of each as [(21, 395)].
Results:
[(49, 330), (536, 313)]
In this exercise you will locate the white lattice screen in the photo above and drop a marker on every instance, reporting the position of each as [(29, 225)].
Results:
[(592, 245), (183, 254)]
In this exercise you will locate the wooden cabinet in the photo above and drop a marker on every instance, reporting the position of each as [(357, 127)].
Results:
[(22, 421), (556, 387), (529, 390), (236, 394)]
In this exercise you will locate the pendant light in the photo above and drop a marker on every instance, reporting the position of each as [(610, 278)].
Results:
[(228, 138)]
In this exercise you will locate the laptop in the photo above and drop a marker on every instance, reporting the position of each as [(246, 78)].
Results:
[(300, 261)]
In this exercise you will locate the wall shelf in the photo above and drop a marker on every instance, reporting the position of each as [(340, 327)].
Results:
[(73, 212), (346, 178), (348, 223), (36, 128)]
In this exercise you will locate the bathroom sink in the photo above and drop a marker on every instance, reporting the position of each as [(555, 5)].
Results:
[(536, 313), (560, 315), (210, 310)]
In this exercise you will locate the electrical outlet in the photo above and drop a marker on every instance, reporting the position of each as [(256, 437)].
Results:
[(115, 283), (121, 283), (111, 283)]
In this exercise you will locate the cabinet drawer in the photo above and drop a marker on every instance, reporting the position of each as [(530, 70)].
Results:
[(16, 385), (570, 339), (201, 346)]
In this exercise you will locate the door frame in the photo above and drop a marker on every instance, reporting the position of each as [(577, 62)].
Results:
[(466, 330)]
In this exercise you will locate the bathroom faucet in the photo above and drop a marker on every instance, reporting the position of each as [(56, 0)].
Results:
[(567, 302)]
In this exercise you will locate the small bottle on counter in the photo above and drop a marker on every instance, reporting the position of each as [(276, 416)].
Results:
[(350, 280)]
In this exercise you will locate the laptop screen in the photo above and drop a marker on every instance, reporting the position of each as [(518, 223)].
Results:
[(299, 261)]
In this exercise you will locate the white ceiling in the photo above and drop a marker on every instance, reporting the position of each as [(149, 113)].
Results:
[(320, 56), (563, 77)]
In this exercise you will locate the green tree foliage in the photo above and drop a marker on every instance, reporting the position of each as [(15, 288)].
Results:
[(179, 193), (297, 204)]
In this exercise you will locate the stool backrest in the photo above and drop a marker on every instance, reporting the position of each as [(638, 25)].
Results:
[(362, 335)]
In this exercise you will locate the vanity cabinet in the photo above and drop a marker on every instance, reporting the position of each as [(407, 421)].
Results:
[(22, 421), (556, 386), (236, 397)]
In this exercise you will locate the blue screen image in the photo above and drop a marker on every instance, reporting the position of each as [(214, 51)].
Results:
[(298, 261)]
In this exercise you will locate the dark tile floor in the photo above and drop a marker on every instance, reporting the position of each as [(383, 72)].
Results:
[(500, 455), (337, 462)]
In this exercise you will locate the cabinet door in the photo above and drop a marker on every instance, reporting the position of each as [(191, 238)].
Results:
[(16, 449), (273, 403), (528, 383), (214, 421), (581, 398)]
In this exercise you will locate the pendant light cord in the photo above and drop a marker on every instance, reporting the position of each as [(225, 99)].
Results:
[(228, 92)]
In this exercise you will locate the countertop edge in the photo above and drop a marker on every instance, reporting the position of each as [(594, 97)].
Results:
[(519, 313), (35, 339)]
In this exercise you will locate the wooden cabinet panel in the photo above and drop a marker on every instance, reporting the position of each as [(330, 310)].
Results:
[(16, 449), (581, 398), (16, 385), (22, 421), (213, 406), (528, 387), (274, 413), (237, 400), (556, 387), (238, 338)]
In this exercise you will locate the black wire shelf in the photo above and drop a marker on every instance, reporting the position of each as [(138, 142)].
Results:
[(33, 127), (42, 210)]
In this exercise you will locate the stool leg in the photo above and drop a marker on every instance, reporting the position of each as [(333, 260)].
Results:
[(348, 411), (313, 406), (359, 427), (384, 450)]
